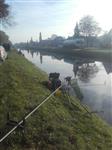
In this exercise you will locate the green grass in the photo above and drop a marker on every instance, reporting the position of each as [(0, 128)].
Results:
[(59, 124)]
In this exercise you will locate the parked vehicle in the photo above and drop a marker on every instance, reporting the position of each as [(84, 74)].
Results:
[(3, 53)]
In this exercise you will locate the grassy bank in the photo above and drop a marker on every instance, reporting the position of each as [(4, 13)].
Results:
[(59, 124)]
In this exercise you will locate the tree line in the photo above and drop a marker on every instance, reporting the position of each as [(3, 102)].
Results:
[(90, 30)]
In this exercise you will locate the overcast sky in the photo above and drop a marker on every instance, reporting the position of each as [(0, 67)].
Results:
[(54, 17)]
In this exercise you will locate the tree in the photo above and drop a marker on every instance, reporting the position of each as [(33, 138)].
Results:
[(4, 20), (77, 30), (106, 40), (89, 27), (4, 13), (3, 38)]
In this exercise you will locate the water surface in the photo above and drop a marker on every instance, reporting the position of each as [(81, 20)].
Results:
[(94, 78)]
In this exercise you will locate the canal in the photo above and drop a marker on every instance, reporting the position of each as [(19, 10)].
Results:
[(94, 77)]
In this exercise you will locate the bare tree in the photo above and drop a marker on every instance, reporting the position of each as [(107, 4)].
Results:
[(89, 27)]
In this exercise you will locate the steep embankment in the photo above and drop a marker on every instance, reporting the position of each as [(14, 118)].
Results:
[(57, 125)]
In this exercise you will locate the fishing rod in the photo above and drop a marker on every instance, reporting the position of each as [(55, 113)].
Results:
[(28, 115)]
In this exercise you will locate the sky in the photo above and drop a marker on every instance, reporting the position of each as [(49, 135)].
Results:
[(54, 17)]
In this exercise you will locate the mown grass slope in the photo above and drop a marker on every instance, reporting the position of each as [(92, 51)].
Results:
[(59, 124)]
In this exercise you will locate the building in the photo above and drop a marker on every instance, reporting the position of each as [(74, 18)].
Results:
[(74, 43)]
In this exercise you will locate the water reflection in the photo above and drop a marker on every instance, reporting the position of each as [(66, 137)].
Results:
[(87, 71), (41, 59), (94, 77), (108, 67)]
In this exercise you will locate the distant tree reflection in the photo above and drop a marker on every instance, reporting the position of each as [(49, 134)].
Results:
[(41, 59), (75, 69), (85, 71)]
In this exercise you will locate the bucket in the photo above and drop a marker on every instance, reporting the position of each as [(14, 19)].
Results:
[(58, 93)]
